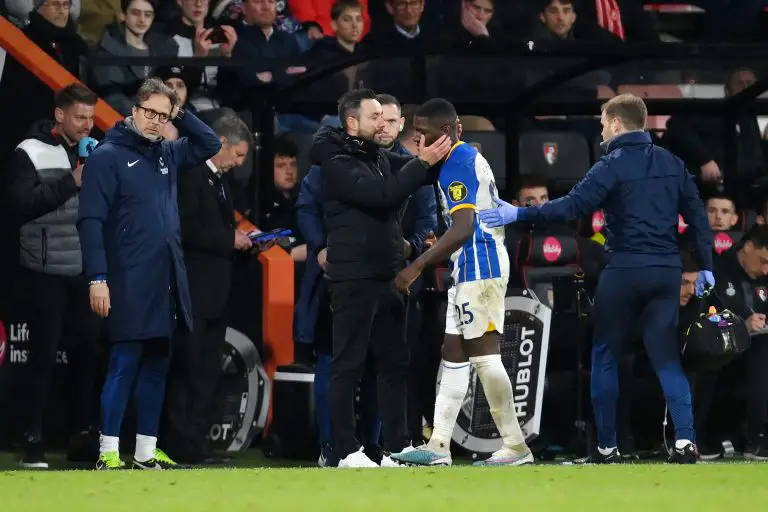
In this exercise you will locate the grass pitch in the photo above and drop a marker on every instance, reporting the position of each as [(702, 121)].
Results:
[(641, 487)]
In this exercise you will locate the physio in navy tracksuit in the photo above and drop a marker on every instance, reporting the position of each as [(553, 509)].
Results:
[(312, 323), (641, 189), (129, 232)]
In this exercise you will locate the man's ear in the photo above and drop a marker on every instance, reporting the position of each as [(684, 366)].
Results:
[(58, 114), (760, 220)]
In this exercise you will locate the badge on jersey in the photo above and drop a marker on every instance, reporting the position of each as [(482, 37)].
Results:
[(458, 191)]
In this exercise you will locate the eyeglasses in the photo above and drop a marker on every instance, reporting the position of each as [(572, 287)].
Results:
[(151, 114), (59, 6)]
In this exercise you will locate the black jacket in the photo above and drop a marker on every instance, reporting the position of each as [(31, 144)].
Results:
[(735, 289), (366, 188), (208, 238)]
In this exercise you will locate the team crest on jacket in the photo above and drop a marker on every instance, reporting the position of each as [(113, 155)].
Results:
[(730, 290), (163, 167), (762, 293), (550, 152)]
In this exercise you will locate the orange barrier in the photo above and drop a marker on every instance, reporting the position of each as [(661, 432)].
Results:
[(278, 272)]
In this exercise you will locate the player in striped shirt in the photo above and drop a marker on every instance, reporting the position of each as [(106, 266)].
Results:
[(475, 315)]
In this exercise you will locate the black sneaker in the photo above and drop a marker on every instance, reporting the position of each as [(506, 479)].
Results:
[(709, 452), (685, 455), (34, 454), (598, 458), (756, 452), (83, 447)]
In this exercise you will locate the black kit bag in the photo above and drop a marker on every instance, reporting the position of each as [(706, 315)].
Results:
[(709, 345)]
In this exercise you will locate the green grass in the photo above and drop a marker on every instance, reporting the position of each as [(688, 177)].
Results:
[(641, 487)]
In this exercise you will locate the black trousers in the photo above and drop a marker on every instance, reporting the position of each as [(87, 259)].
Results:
[(58, 312), (368, 315), (756, 384), (192, 383)]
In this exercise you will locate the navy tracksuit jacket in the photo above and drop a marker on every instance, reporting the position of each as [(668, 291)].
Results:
[(641, 188)]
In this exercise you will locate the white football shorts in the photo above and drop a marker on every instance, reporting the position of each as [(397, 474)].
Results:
[(476, 307)]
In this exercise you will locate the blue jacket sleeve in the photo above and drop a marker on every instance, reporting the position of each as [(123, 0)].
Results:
[(584, 198), (97, 196), (426, 217), (197, 144), (692, 209), (309, 210)]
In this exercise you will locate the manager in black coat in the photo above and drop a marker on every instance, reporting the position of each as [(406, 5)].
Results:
[(209, 239), (366, 188)]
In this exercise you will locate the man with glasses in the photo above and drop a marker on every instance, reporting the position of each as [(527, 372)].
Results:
[(131, 243)]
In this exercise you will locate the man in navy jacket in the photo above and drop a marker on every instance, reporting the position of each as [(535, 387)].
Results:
[(129, 230), (642, 188), (313, 303)]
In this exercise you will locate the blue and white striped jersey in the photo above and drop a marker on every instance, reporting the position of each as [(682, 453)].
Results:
[(466, 181)]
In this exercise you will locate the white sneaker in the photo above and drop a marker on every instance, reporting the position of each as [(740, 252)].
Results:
[(388, 462), (357, 459)]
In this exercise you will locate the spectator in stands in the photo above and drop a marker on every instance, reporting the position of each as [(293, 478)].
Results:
[(117, 85), (209, 238), (132, 255), (557, 22), (419, 224), (625, 19), (50, 28), (740, 285), (280, 213), (721, 212), (45, 178), (347, 22), (258, 40), (198, 36), (319, 13), (700, 140), (19, 10), (476, 22), (404, 30), (175, 78)]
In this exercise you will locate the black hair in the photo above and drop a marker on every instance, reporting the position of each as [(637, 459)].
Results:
[(724, 197), (286, 147), (125, 4), (688, 261), (74, 93), (342, 5), (388, 99), (349, 103), (758, 235), (530, 181), (438, 112), (408, 111)]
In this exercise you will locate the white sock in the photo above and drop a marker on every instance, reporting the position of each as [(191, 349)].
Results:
[(682, 443), (498, 392), (453, 388), (108, 444), (605, 451), (145, 448)]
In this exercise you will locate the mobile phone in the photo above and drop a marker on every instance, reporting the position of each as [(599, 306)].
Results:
[(269, 236), (218, 36)]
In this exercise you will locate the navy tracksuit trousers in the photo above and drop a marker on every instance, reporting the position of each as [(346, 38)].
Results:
[(648, 297)]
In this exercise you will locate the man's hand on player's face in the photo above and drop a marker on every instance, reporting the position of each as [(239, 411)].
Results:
[(435, 152), (406, 277)]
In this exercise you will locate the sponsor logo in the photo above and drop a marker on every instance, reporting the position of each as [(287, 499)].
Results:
[(681, 225), (552, 249), (598, 221), (13, 348), (458, 191), (722, 242), (550, 152)]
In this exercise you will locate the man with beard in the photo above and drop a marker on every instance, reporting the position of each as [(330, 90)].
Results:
[(44, 185), (366, 188)]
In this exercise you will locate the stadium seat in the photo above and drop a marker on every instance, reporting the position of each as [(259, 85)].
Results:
[(493, 146), (304, 142), (561, 157), (604, 92), (472, 123), (548, 257)]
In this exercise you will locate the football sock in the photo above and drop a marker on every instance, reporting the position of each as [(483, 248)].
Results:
[(453, 388)]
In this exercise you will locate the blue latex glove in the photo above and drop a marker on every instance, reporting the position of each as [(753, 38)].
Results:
[(85, 146), (497, 217), (704, 281)]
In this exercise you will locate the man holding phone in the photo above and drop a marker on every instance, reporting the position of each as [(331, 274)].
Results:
[(209, 239)]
